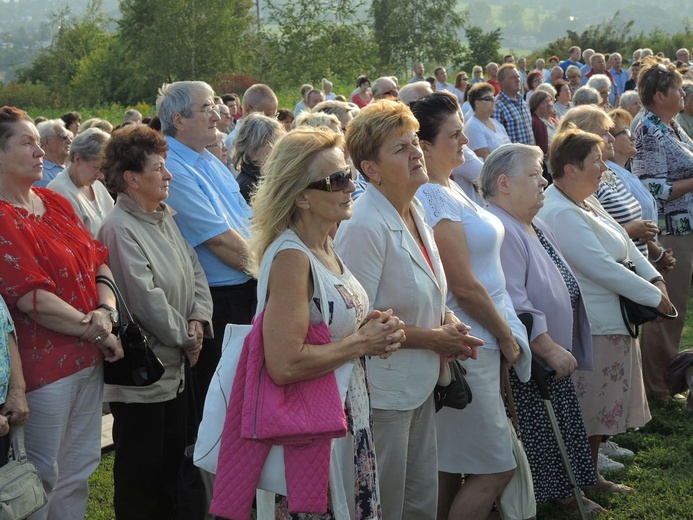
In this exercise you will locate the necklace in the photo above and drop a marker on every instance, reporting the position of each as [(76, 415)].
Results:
[(582, 205), (23, 206)]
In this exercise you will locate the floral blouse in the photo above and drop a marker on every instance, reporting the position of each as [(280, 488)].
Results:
[(665, 155), (56, 253), (6, 328)]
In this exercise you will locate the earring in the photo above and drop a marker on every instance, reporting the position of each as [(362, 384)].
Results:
[(307, 205), (380, 183)]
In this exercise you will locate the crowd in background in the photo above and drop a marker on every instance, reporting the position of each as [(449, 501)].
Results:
[(433, 217)]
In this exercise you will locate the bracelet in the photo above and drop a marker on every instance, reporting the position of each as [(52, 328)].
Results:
[(661, 255), (658, 279)]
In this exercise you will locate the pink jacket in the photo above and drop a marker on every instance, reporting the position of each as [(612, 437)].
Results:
[(304, 417)]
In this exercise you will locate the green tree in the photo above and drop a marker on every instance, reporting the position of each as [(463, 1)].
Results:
[(482, 47), (407, 31), (182, 40), (307, 43)]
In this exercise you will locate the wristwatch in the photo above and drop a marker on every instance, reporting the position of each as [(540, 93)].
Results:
[(113, 312)]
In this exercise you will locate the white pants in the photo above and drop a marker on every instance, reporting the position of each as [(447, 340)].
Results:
[(63, 439)]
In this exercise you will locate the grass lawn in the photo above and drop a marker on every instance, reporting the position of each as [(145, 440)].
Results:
[(661, 473)]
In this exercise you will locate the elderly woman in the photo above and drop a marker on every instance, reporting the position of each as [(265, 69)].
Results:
[(612, 396), (586, 96), (362, 96), (391, 251), (305, 192), (685, 117), (563, 98), (574, 76), (80, 181), (543, 124), (256, 135), (664, 164), (345, 112), (468, 239), (166, 291), (630, 101), (63, 319), (602, 84), (218, 147), (484, 132), (534, 79), (540, 283)]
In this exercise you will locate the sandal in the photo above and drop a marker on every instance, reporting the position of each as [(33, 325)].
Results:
[(606, 486), (590, 507)]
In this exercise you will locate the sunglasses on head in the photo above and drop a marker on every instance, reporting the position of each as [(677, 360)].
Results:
[(337, 181)]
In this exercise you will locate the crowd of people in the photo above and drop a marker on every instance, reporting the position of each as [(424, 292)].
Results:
[(412, 225)]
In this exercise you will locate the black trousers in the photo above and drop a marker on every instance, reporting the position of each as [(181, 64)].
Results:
[(232, 304), (149, 439)]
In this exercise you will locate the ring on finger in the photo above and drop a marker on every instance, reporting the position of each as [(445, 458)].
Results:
[(98, 338)]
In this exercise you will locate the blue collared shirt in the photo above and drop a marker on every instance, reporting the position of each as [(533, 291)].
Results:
[(50, 172), (208, 202), (620, 79), (515, 116)]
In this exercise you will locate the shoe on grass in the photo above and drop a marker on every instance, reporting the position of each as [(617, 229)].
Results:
[(611, 449), (605, 464)]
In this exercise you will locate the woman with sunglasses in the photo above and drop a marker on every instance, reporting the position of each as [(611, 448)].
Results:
[(664, 164), (391, 251), (305, 190), (484, 132)]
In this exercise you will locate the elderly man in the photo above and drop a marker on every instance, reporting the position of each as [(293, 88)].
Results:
[(413, 91), (55, 141), (586, 56), (132, 116), (418, 70), (573, 59), (511, 110), (492, 74), (522, 69), (441, 83), (683, 58), (313, 97), (555, 75), (384, 87), (597, 66), (620, 78), (211, 212)]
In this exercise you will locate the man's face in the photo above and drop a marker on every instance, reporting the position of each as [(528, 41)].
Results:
[(522, 63), (616, 61), (442, 76), (492, 70), (598, 64), (200, 129), (314, 98), (556, 74), (575, 55), (511, 82), (57, 145), (540, 64), (683, 56), (233, 106), (634, 71), (419, 69)]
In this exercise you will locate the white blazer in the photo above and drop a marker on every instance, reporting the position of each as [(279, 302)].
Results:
[(381, 253)]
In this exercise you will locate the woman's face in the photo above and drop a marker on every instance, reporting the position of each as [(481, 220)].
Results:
[(590, 175), (564, 96), (485, 105), (447, 151), (574, 80), (365, 86), (22, 158), (219, 149), (634, 106), (329, 206), (152, 183), (86, 172), (624, 140), (536, 82), (672, 102), (400, 165), (544, 108), (526, 190), (608, 147)]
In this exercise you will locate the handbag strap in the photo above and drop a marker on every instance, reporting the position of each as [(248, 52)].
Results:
[(121, 301), (17, 442), (507, 392), (289, 236)]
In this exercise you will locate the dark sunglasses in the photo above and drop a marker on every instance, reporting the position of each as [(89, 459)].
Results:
[(337, 181), (487, 98), (625, 131)]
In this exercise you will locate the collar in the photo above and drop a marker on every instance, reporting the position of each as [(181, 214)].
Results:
[(185, 153), (127, 204), (517, 98)]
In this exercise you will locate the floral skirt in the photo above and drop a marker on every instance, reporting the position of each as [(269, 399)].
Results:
[(612, 396), (548, 474)]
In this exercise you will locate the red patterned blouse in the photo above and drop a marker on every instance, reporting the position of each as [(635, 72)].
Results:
[(53, 252)]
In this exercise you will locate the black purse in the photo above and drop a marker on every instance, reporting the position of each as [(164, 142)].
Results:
[(635, 314), (139, 366), (457, 394)]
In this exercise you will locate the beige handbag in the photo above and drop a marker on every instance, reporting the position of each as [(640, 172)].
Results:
[(517, 500)]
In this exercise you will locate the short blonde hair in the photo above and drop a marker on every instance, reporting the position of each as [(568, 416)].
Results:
[(287, 171), (588, 118), (318, 119), (368, 130), (619, 114)]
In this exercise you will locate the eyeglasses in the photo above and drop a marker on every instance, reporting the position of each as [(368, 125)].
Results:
[(625, 131), (220, 144), (464, 78), (209, 110), (487, 98), (337, 181), (64, 136)]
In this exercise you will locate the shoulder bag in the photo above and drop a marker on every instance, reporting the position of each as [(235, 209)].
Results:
[(139, 366), (21, 489)]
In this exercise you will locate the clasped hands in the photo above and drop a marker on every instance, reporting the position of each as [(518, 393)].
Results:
[(382, 334), (98, 332)]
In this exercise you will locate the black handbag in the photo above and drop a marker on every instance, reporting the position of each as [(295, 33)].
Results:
[(635, 314), (457, 394), (139, 366)]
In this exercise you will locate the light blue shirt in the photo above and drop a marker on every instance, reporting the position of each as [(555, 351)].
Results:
[(620, 79), (50, 172), (208, 202)]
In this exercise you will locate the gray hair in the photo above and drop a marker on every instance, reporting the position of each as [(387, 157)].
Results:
[(628, 96), (132, 115), (48, 128), (509, 160), (586, 96), (687, 87), (338, 108), (599, 82), (176, 98), (255, 130), (317, 119), (548, 88), (88, 144), (96, 122)]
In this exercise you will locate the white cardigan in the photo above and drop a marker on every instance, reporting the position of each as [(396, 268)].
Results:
[(593, 246), (381, 253)]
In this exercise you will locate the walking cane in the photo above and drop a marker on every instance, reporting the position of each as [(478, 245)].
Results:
[(540, 374)]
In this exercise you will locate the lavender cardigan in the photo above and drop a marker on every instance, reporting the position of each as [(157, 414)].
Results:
[(536, 286)]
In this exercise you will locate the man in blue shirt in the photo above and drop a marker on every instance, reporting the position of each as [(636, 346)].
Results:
[(55, 141), (573, 59), (620, 78), (211, 212)]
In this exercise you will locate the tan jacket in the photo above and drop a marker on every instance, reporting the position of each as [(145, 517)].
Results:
[(163, 285)]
